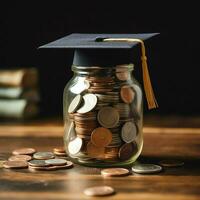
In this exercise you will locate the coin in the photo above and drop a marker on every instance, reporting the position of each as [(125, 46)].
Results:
[(59, 150), (56, 161), (94, 151), (127, 94), (108, 117), (146, 168), (24, 151), (75, 145), (99, 191), (1, 163), (75, 103), (171, 163), (38, 163), (43, 155), (129, 132), (20, 158), (122, 72), (127, 151), (90, 101), (101, 137), (15, 164), (115, 172)]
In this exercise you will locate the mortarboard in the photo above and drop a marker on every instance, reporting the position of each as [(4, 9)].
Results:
[(108, 50)]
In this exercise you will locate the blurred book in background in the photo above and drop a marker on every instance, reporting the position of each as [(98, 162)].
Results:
[(19, 93)]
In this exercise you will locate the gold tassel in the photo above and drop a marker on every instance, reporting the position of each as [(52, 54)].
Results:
[(151, 100)]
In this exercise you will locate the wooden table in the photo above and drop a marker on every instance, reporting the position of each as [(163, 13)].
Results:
[(163, 138)]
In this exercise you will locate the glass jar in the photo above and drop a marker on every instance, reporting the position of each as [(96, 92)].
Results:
[(103, 116)]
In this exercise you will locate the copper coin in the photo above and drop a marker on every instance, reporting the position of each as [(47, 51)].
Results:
[(171, 163), (15, 164), (75, 103), (20, 158), (127, 94), (94, 151), (101, 137), (24, 151), (59, 150), (115, 172), (99, 191), (108, 117), (43, 155), (127, 151)]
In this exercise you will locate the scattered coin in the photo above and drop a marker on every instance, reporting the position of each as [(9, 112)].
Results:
[(99, 191), (146, 168), (74, 105), (127, 151), (101, 137), (59, 150), (171, 163), (108, 117), (115, 172), (38, 163), (75, 145), (56, 162), (127, 94), (43, 155), (24, 151), (90, 101), (20, 158), (15, 164), (129, 132)]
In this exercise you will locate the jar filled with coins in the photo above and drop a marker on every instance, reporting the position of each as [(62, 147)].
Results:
[(103, 116)]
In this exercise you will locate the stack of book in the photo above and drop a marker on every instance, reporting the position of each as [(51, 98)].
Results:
[(19, 95)]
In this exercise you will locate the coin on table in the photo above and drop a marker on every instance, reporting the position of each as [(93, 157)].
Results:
[(75, 146), (24, 151), (59, 149), (127, 94), (56, 161), (94, 151), (127, 151), (15, 164), (129, 132), (38, 163), (99, 191), (115, 172), (171, 163), (146, 168), (90, 101), (108, 117), (43, 155), (101, 137), (20, 158), (74, 105)]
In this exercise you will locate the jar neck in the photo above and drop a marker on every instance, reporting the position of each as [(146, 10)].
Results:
[(102, 71)]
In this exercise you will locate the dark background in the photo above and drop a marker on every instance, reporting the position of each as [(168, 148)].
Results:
[(174, 55)]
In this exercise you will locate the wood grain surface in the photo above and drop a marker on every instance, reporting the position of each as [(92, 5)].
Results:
[(160, 142)]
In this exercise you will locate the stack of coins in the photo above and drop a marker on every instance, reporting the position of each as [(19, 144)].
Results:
[(104, 124)]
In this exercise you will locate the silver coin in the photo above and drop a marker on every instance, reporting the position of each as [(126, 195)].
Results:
[(129, 132), (75, 104), (108, 117), (90, 101), (38, 163), (80, 86), (146, 168), (56, 161), (43, 155), (75, 146)]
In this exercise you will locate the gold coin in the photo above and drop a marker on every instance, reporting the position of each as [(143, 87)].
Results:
[(127, 94), (74, 105), (108, 117), (99, 191), (127, 151), (24, 151), (90, 101), (101, 137), (115, 172), (20, 158), (94, 151), (15, 164)]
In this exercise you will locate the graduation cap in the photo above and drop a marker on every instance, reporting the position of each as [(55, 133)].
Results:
[(108, 50)]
